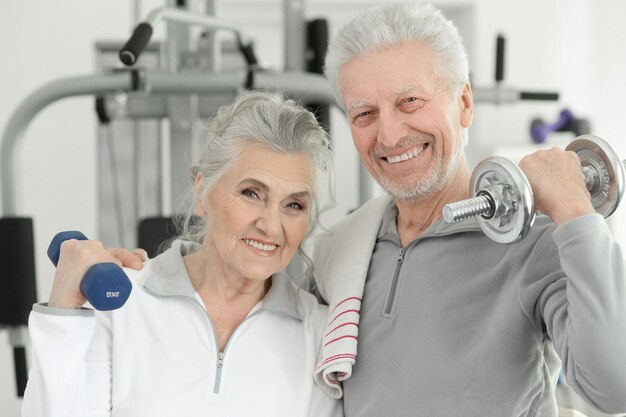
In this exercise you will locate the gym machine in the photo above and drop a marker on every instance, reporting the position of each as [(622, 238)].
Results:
[(183, 86), (503, 203), (499, 94)]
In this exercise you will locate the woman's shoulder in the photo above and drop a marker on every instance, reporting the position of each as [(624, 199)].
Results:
[(312, 312)]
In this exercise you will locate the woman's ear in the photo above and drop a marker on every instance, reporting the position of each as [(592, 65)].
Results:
[(467, 106), (200, 210)]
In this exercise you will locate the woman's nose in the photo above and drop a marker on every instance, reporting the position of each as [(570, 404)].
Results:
[(269, 221)]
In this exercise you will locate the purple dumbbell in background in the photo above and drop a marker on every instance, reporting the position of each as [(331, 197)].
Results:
[(104, 285), (539, 130)]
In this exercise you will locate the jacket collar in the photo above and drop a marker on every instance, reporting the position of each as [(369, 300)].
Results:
[(168, 277)]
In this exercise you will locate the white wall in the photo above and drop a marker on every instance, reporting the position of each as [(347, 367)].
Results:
[(571, 46)]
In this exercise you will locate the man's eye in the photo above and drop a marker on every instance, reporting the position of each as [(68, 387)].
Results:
[(362, 118), (411, 103)]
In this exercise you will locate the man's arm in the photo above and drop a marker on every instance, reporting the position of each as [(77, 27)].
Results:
[(585, 312)]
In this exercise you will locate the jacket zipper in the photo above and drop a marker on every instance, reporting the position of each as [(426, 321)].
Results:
[(394, 284)]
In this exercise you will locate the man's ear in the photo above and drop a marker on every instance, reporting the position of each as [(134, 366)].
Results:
[(199, 207), (467, 106)]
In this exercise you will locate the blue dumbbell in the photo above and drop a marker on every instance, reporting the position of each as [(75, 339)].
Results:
[(104, 285)]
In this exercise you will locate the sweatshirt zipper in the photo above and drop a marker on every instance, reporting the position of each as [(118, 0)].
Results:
[(218, 372), (219, 364), (394, 284)]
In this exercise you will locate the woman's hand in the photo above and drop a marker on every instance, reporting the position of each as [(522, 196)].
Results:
[(76, 257), (132, 259)]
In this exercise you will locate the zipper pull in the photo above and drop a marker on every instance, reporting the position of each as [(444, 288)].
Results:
[(220, 359), (401, 256)]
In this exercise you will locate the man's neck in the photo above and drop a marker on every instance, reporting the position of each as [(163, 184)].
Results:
[(414, 217)]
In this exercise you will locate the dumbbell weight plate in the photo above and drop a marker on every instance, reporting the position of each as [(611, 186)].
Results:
[(515, 199), (595, 152)]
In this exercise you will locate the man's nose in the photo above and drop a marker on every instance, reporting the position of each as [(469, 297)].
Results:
[(391, 128)]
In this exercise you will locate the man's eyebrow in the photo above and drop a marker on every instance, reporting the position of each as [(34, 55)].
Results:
[(405, 89), (359, 104), (412, 87)]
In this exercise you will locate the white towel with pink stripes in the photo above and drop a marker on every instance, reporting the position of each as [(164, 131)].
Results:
[(339, 346), (341, 258)]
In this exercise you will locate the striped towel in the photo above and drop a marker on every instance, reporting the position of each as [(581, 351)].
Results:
[(339, 346), (343, 258)]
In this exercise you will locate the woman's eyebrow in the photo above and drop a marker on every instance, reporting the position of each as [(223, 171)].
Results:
[(301, 194), (255, 182), (265, 187)]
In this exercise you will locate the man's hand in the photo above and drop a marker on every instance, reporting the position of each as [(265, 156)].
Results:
[(558, 185)]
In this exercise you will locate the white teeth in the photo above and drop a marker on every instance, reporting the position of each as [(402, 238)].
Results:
[(412, 153), (259, 245)]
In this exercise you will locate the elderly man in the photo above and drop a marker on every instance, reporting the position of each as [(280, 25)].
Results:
[(448, 322)]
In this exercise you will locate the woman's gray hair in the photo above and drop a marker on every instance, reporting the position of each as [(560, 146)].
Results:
[(267, 120), (395, 24)]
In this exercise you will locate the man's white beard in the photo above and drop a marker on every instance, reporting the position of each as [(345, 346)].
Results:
[(419, 189)]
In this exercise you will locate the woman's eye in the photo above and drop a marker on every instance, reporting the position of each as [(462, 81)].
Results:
[(296, 206), (250, 193)]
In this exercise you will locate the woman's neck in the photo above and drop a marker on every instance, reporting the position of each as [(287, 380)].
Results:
[(228, 299), (210, 276)]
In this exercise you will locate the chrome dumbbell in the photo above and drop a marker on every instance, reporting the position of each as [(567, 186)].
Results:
[(503, 202)]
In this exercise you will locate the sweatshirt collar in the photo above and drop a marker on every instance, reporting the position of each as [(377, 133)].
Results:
[(168, 277), (389, 231)]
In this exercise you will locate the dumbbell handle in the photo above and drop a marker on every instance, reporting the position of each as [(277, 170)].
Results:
[(591, 177), (104, 285), (477, 206)]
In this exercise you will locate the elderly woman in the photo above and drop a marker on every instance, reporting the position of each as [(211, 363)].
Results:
[(214, 326)]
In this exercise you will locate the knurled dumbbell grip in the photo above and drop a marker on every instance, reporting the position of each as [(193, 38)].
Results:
[(464, 209)]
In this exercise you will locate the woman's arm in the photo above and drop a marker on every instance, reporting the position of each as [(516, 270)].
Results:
[(71, 370)]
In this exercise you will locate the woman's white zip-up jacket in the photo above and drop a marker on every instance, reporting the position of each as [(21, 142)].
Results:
[(157, 356)]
